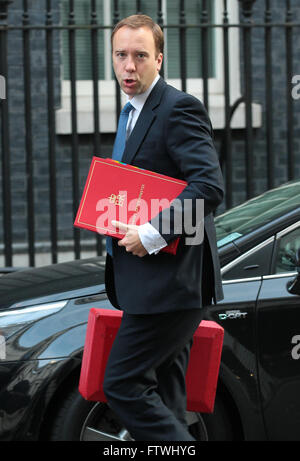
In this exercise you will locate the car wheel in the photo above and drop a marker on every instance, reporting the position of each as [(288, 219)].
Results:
[(102, 424), (77, 419)]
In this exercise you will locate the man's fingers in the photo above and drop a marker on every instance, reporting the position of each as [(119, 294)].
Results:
[(131, 241), (122, 226)]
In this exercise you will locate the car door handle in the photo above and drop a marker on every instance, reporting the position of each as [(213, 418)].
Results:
[(252, 266)]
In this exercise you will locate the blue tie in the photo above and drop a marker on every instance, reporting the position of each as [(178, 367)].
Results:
[(118, 150), (120, 140)]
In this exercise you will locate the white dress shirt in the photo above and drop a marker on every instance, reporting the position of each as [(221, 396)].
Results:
[(151, 239)]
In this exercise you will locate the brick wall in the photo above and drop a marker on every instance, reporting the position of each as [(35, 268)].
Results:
[(63, 143)]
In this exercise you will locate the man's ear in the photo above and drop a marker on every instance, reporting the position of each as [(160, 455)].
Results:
[(159, 61)]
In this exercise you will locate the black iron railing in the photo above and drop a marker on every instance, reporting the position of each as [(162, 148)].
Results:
[(205, 23)]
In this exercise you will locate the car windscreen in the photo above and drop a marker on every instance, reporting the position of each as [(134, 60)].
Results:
[(257, 212)]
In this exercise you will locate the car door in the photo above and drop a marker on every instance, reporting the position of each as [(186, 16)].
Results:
[(278, 334), (236, 313)]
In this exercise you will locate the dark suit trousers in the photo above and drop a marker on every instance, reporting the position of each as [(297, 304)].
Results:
[(145, 375)]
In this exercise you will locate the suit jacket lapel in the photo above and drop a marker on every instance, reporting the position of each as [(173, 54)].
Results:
[(144, 122)]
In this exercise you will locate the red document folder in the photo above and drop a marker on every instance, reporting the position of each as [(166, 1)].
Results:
[(120, 192), (202, 373)]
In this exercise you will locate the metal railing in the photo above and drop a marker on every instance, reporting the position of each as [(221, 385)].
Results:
[(247, 25)]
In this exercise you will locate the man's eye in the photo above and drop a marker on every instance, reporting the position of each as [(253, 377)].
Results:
[(141, 55), (121, 55)]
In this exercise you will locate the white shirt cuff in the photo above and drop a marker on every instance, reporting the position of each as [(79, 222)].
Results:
[(151, 239)]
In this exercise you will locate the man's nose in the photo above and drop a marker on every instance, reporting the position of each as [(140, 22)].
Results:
[(130, 64)]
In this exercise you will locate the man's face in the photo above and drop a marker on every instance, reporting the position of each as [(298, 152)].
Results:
[(134, 59)]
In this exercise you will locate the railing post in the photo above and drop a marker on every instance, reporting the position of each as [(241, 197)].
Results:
[(160, 22), (182, 34), (5, 149), (51, 133), (28, 133), (74, 138), (246, 6), (289, 99), (269, 94), (204, 48), (116, 19), (227, 145), (95, 75), (3, 9)]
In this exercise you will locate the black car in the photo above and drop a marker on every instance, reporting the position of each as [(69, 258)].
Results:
[(43, 319)]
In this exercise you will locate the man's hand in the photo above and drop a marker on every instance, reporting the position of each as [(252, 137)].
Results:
[(131, 241)]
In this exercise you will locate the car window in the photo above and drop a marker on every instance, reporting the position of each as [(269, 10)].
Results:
[(257, 212), (285, 259), (255, 263)]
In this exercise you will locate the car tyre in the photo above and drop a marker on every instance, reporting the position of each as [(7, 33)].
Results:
[(77, 419)]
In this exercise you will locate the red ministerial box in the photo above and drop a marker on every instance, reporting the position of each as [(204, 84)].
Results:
[(202, 373), (120, 192)]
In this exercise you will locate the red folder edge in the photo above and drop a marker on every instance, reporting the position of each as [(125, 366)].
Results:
[(170, 248), (203, 368)]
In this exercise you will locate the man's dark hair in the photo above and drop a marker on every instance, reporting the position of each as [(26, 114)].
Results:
[(141, 20)]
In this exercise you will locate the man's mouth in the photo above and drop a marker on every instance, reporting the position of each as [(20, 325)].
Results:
[(129, 81)]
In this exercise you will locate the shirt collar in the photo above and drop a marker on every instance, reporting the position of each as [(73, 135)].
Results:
[(139, 100)]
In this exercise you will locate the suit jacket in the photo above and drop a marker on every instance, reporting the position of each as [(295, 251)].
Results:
[(172, 136)]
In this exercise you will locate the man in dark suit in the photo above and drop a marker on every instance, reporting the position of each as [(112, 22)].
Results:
[(162, 295)]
